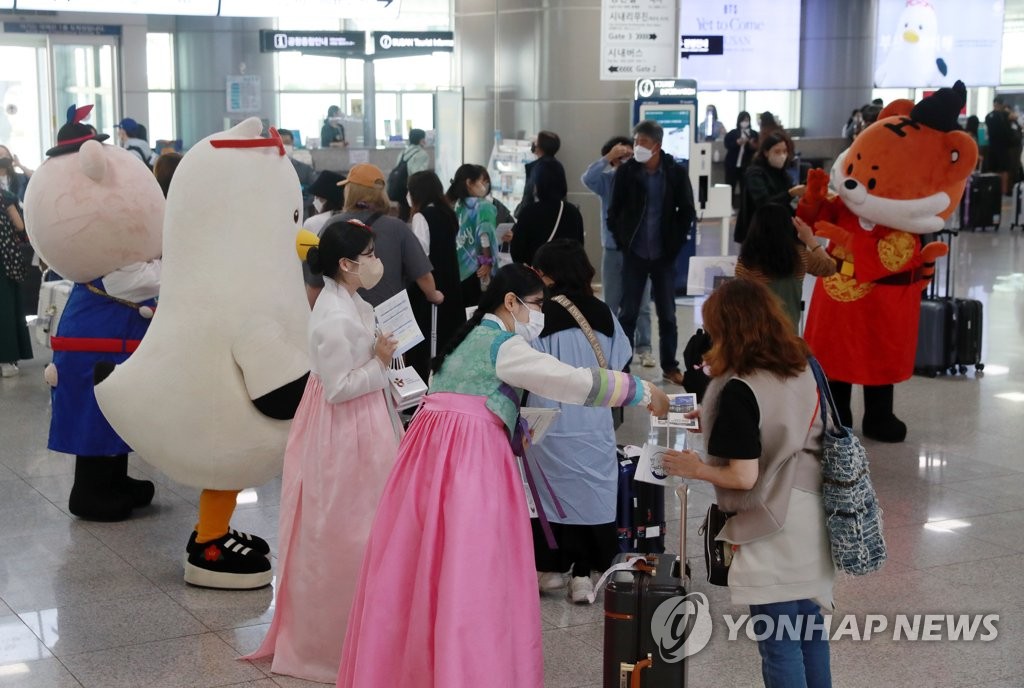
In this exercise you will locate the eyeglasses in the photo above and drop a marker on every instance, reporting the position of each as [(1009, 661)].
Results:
[(539, 303)]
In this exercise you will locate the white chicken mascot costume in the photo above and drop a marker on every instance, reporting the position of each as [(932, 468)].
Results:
[(209, 394), (914, 59)]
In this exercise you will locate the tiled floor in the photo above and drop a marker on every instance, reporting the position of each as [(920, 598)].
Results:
[(104, 606)]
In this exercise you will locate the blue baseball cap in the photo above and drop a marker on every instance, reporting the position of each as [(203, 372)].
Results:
[(129, 125)]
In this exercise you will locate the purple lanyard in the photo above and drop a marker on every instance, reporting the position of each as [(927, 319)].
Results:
[(518, 443)]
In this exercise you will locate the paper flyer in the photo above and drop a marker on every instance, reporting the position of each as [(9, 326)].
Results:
[(678, 406), (539, 420), (395, 316), (649, 468)]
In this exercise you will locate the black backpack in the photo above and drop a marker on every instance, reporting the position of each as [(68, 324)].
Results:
[(398, 180)]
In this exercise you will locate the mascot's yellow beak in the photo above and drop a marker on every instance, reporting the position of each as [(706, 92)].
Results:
[(911, 37), (304, 241)]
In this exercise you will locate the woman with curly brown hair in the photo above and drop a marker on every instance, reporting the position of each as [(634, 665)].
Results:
[(764, 444)]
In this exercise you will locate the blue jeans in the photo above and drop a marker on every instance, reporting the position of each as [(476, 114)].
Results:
[(662, 275), (792, 660), (611, 278)]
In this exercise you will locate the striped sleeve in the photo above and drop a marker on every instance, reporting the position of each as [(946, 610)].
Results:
[(612, 388)]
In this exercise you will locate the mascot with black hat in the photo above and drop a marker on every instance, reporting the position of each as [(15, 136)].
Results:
[(94, 213)]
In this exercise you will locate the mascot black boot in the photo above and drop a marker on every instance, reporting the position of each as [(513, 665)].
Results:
[(842, 392), (97, 494), (879, 421), (140, 491)]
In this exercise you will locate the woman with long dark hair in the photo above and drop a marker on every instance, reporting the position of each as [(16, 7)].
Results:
[(341, 447), (778, 251), (764, 434), (766, 180), (740, 148), (435, 225), (476, 243), (548, 217), (448, 592)]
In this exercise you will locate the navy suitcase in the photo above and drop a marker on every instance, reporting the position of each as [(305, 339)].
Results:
[(632, 654), (936, 337), (640, 512), (982, 205)]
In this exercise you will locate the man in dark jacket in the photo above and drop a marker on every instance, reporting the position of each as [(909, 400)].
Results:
[(649, 216), (545, 147)]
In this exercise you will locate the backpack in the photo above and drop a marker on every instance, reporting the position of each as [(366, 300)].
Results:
[(398, 180)]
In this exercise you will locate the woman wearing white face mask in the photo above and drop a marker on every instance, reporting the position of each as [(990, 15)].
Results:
[(766, 180), (341, 447), (332, 133), (451, 538)]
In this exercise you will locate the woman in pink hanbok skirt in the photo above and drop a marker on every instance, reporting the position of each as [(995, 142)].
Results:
[(340, 450), (448, 593)]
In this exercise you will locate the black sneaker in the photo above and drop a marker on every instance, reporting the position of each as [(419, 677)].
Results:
[(226, 564), (253, 541)]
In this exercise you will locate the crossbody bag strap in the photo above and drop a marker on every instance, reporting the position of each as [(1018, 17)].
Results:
[(558, 221), (588, 331)]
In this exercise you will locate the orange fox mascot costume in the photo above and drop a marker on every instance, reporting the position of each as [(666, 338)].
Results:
[(901, 178)]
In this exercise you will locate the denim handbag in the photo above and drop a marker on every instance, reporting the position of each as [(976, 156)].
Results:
[(852, 515)]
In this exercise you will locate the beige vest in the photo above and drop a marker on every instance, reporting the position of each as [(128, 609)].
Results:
[(791, 437)]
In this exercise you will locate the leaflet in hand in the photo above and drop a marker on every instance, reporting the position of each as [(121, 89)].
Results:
[(649, 468), (539, 420), (678, 406), (395, 316)]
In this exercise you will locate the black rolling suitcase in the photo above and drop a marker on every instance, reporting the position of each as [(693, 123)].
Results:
[(982, 204), (640, 512), (968, 334), (633, 656), (949, 332)]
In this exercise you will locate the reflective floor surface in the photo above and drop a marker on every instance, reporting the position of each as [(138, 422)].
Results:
[(104, 605)]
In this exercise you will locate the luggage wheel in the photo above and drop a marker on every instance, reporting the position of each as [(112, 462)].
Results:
[(963, 370), (979, 367)]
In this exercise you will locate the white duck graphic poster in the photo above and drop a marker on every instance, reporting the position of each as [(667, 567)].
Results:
[(932, 43)]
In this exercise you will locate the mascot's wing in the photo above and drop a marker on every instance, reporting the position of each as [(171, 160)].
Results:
[(941, 64), (274, 369)]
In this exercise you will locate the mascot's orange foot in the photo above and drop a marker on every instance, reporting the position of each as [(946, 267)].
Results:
[(885, 429), (226, 564)]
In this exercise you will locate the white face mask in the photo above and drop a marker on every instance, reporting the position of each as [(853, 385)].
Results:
[(318, 204), (532, 329), (642, 154), (744, 125), (370, 271), (288, 148), (778, 161), (408, 199), (334, 120)]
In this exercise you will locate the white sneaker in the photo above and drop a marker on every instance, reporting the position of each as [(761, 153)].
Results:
[(550, 580), (9, 369), (580, 589), (647, 360)]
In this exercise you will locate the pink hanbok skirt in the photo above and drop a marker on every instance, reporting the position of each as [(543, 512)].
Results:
[(448, 594), (336, 463)]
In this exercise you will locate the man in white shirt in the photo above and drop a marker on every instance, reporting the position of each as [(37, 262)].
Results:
[(128, 131)]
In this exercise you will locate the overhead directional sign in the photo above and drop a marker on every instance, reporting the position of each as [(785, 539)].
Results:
[(334, 43), (409, 43), (638, 39)]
